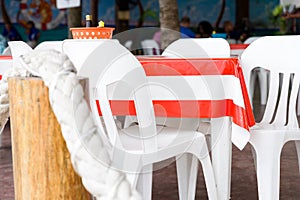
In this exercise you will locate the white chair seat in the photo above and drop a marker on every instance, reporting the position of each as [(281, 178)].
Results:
[(166, 137)]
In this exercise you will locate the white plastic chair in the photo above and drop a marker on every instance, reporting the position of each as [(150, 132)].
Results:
[(262, 76), (18, 48), (150, 47), (190, 48), (78, 50), (249, 40), (207, 48), (231, 41), (118, 74), (128, 44), (198, 48), (54, 45), (6, 51), (280, 56)]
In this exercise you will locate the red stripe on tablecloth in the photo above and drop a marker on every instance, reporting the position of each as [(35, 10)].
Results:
[(5, 57), (250, 115), (187, 109), (238, 46), (189, 67), (162, 66)]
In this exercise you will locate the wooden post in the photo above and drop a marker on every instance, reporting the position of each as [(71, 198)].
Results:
[(41, 162)]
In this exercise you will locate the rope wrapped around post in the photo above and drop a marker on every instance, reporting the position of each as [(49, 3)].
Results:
[(78, 128)]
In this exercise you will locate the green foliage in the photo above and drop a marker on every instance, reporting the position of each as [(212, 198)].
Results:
[(277, 11), (150, 13), (276, 17)]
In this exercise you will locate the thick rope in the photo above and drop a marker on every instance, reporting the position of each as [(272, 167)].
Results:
[(4, 103), (78, 128)]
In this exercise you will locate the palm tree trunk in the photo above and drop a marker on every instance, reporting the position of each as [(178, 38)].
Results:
[(220, 14), (5, 16), (242, 11), (94, 12), (74, 18), (142, 12), (122, 15), (169, 22)]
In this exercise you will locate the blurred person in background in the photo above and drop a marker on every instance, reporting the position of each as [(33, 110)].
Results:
[(33, 34), (205, 29), (244, 28), (185, 30), (230, 31), (157, 37), (11, 33), (3, 43)]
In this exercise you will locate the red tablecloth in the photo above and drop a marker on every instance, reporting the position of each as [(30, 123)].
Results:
[(237, 49), (238, 46), (5, 63), (5, 57), (235, 103)]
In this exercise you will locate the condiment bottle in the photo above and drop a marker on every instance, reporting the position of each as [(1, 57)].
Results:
[(88, 20)]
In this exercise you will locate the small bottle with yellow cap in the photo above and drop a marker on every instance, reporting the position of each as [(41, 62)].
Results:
[(88, 20)]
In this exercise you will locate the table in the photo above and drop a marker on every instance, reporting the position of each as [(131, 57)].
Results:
[(5, 64), (237, 49), (233, 101), (229, 107)]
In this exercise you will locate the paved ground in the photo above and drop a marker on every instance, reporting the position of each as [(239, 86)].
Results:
[(243, 184)]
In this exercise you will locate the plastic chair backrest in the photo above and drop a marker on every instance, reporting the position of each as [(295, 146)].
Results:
[(231, 41), (115, 72), (280, 56), (150, 47), (77, 50), (251, 39), (198, 48), (128, 44), (6, 51), (55, 45), (17, 49)]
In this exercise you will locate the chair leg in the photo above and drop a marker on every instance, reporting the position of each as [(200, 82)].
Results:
[(221, 148), (297, 143), (144, 185), (200, 152), (254, 156), (268, 150), (298, 104), (209, 178), (187, 168)]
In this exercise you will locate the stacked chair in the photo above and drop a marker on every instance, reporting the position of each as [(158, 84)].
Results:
[(136, 148), (280, 56)]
